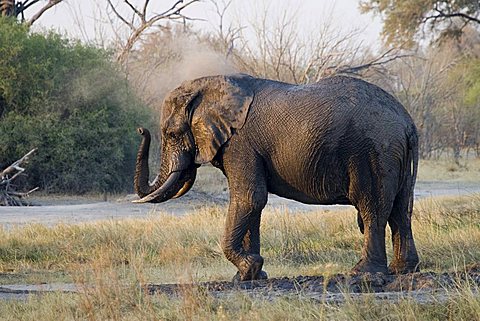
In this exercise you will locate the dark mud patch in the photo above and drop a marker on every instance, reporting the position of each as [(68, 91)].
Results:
[(423, 287)]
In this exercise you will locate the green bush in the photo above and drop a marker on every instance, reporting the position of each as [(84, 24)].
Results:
[(69, 101)]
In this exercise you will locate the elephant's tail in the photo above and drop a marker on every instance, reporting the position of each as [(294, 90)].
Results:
[(412, 166)]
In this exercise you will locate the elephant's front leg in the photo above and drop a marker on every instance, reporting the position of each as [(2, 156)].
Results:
[(251, 240), (251, 244), (241, 242), (247, 183)]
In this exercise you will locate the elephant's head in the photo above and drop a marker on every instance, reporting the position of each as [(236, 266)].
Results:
[(197, 119)]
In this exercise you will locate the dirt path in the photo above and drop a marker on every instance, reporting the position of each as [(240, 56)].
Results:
[(64, 211), (54, 212)]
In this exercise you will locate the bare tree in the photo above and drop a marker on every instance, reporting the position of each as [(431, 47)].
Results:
[(169, 56), (92, 27), (271, 46), (427, 94), (432, 88), (139, 20), (227, 34), (19, 8)]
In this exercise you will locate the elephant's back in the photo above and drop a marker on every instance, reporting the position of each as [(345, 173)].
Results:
[(317, 128), (329, 108), (337, 101)]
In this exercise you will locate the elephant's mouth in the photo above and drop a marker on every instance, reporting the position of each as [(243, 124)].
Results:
[(176, 185), (188, 177)]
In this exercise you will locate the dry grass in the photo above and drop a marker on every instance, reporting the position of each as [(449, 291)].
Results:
[(447, 231), (447, 170), (129, 303), (116, 256), (211, 180)]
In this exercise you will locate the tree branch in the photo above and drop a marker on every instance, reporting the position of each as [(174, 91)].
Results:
[(36, 16), (25, 5), (135, 9), (130, 25), (144, 10), (381, 60), (172, 14), (443, 15), (15, 167)]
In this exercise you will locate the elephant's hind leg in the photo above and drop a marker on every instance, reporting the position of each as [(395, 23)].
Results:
[(373, 258), (372, 194), (405, 258)]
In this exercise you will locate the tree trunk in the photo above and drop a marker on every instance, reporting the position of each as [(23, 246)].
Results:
[(7, 8)]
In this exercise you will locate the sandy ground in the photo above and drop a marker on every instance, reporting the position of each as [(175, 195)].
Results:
[(424, 287)]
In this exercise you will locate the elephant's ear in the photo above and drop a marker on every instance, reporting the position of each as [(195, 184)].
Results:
[(220, 107)]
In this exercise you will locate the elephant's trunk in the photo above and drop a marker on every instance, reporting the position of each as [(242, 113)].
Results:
[(142, 172), (169, 183)]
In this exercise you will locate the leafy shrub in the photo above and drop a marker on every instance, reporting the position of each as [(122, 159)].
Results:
[(69, 101)]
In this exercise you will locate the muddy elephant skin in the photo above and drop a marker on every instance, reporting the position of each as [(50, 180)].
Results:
[(339, 141)]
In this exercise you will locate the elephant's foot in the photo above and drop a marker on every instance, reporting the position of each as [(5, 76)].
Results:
[(262, 275), (250, 269), (368, 266), (403, 267)]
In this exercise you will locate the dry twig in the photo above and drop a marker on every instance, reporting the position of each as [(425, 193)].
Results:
[(8, 196)]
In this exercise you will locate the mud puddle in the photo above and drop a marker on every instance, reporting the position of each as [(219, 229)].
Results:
[(423, 287)]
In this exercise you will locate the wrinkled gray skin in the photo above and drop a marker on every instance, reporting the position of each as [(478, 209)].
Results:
[(338, 141)]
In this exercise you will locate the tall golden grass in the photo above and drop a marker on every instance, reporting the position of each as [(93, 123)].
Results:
[(109, 260)]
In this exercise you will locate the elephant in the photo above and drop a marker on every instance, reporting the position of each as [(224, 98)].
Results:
[(340, 140)]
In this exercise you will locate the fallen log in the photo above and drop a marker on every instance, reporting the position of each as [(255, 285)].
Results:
[(9, 196)]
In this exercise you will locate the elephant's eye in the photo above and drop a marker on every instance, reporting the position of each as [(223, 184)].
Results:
[(172, 135)]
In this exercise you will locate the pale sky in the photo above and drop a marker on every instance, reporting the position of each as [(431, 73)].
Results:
[(343, 14)]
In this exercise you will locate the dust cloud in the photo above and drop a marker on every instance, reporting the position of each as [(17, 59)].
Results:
[(198, 61), (166, 60)]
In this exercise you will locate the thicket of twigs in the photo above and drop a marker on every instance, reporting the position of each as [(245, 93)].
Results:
[(9, 193)]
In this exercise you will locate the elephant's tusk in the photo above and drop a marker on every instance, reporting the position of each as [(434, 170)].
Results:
[(187, 185), (171, 180), (185, 188)]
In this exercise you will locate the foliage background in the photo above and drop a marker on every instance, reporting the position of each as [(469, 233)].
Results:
[(79, 104), (68, 100)]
